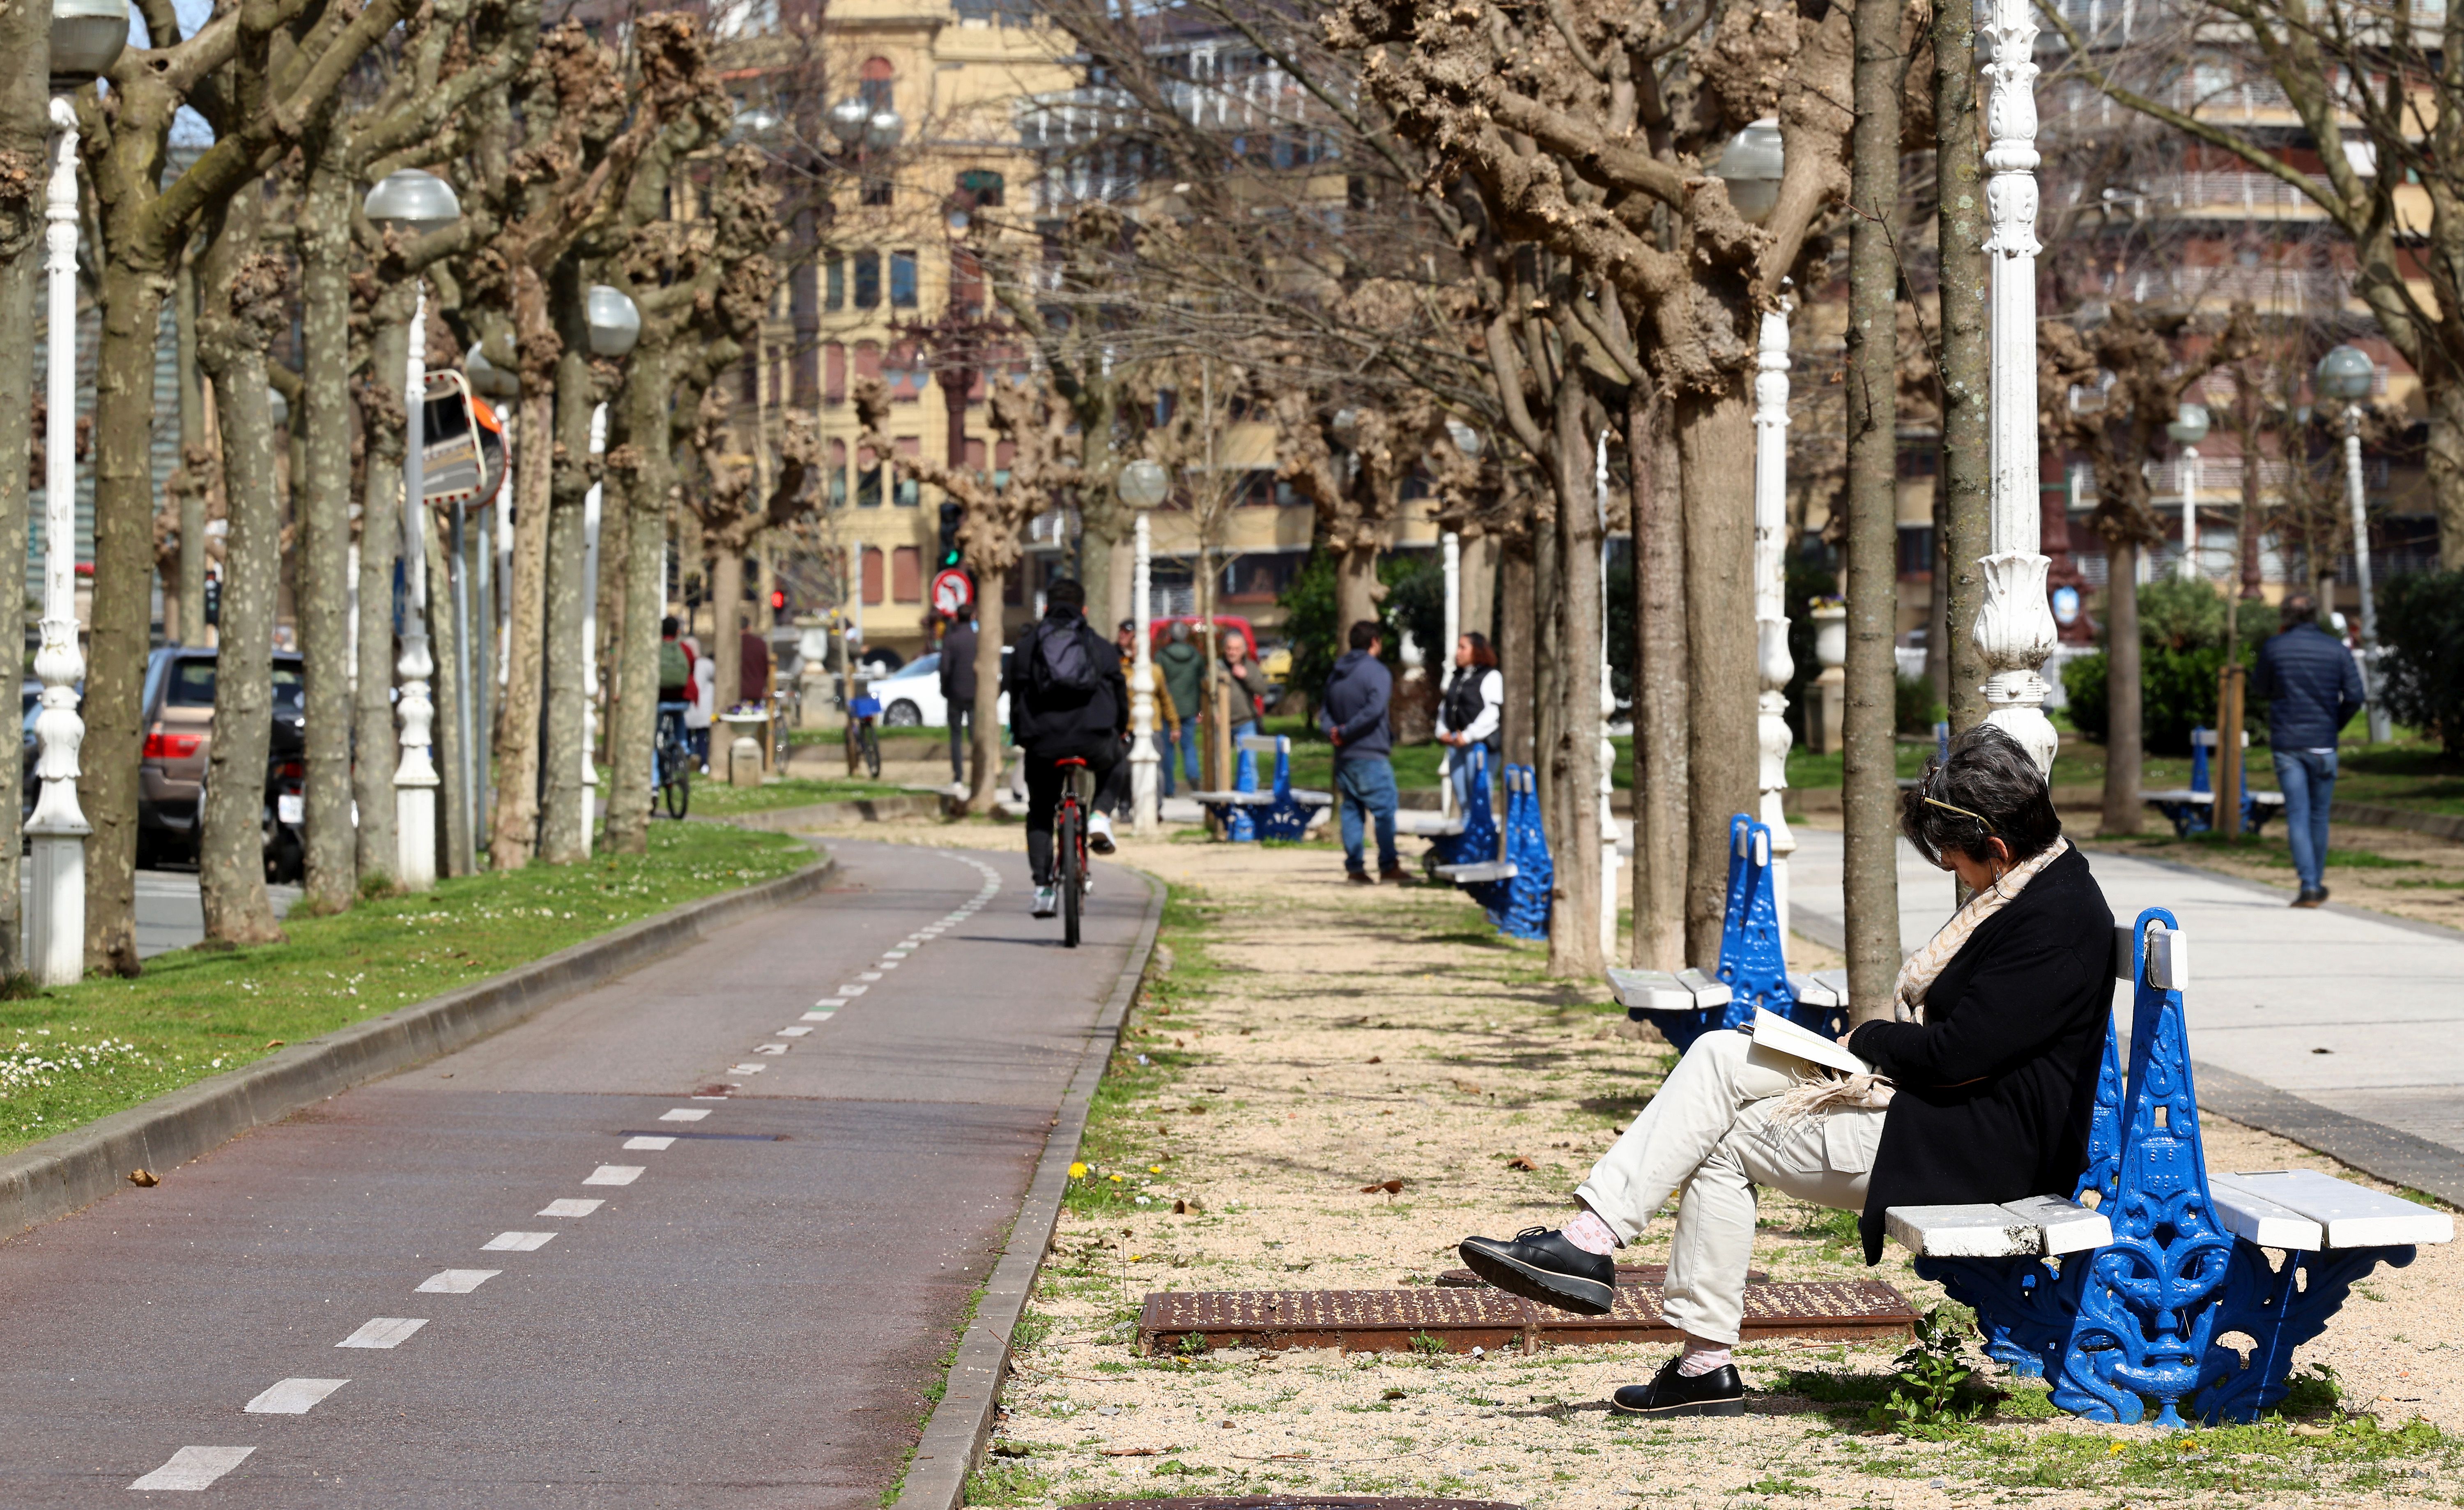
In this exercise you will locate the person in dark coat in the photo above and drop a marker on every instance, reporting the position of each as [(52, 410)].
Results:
[(2313, 688), (957, 678), (1067, 701), (1980, 1091), (752, 666), (1353, 714)]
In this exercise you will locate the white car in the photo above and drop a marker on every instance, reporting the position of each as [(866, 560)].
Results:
[(911, 697)]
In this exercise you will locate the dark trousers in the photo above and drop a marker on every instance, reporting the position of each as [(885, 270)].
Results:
[(962, 723), (1044, 778)]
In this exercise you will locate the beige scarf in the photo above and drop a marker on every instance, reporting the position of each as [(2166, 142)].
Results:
[(1828, 1089)]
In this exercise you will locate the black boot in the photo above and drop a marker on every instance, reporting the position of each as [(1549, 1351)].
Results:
[(1719, 1393), (1539, 1264)]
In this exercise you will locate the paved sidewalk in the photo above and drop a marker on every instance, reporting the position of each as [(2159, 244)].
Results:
[(2341, 1029)]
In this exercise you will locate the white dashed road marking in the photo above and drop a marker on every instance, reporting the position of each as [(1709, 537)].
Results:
[(194, 1468), (517, 1242), (793, 1032), (773, 1048), (683, 1114), (455, 1282), (853, 990), (293, 1396), (831, 1001), (819, 1016), (746, 1069), (615, 1174), (867, 975), (648, 1142), (385, 1331), (569, 1207)]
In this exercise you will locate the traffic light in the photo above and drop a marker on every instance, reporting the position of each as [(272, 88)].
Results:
[(778, 598), (951, 514)]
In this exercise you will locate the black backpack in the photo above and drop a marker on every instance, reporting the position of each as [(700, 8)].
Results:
[(1065, 662)]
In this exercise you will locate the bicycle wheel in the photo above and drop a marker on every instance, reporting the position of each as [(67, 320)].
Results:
[(677, 790), (871, 752), (1068, 867)]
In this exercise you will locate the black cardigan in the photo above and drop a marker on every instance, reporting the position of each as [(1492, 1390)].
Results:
[(1995, 1087)]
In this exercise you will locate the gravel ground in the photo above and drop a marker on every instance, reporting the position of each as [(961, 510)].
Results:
[(1302, 1039)]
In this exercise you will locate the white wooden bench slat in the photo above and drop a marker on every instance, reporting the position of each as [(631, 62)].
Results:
[(1821, 989), (2353, 1216), (2254, 1218), (1260, 744), (1421, 823), (1659, 990), (1308, 798), (1481, 870), (1235, 799), (2067, 1227), (2263, 799), (1965, 1232)]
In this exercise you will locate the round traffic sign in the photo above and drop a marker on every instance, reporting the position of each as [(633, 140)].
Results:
[(952, 592)]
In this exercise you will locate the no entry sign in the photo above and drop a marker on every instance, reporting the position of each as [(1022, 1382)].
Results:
[(952, 592)]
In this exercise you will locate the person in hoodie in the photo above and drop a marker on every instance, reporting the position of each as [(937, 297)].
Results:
[(1353, 714), (1185, 678), (1067, 701)]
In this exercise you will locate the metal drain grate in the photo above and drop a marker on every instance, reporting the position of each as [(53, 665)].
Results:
[(1388, 1320)]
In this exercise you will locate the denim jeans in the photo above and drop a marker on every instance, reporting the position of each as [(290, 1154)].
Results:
[(2308, 782), (962, 723), (1367, 784), (1184, 732), (1459, 760)]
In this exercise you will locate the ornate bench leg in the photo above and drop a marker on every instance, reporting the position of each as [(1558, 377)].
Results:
[(2278, 1307), (2029, 1312)]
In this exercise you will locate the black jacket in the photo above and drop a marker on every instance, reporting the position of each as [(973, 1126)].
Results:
[(1997, 1086), (2312, 685), (958, 668), (1064, 724)]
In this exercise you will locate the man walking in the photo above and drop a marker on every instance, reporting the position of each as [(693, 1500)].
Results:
[(1067, 701), (1353, 716), (958, 677), (2313, 688)]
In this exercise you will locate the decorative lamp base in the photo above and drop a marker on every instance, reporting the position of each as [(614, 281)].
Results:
[(55, 909)]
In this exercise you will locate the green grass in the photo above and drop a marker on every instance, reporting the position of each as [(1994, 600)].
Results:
[(1117, 1152), (716, 799), (83, 1052)]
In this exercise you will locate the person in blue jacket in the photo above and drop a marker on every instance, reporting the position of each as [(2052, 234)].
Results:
[(2313, 688), (1353, 714)]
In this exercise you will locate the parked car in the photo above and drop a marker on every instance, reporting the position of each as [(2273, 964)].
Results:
[(911, 697), (178, 721)]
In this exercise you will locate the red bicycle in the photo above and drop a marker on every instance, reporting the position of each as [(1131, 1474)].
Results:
[(1070, 847)]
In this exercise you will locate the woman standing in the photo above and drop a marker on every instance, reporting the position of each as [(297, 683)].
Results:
[(1468, 713)]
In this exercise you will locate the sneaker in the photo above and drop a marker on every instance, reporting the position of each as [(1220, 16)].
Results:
[(1099, 832), (1719, 1393), (1048, 902), (1539, 1264)]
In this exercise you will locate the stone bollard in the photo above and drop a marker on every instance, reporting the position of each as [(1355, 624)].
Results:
[(744, 761)]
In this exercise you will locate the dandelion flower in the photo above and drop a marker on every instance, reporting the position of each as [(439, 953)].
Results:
[(1077, 1171)]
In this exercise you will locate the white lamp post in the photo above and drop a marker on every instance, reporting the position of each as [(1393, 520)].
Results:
[(412, 204), (2347, 373), (615, 326), (2015, 626), (1142, 485), (2188, 428), (87, 36), (1466, 440)]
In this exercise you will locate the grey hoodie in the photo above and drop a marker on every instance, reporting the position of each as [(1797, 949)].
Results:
[(1355, 707)]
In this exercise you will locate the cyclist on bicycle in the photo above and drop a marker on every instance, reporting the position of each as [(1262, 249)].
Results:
[(1067, 701)]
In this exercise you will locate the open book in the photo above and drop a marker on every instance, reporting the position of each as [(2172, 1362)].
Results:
[(1777, 1034)]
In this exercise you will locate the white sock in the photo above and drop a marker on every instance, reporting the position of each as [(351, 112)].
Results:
[(1700, 1361), (1590, 1234)]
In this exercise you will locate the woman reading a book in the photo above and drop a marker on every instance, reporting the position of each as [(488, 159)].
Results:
[(1975, 1086)]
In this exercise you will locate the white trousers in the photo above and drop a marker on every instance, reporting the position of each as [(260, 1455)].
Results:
[(1711, 1132)]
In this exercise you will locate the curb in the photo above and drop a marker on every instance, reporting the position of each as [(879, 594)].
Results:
[(961, 1424), (2373, 815), (62, 1174)]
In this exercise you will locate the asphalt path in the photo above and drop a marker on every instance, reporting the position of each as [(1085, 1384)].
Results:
[(700, 1237)]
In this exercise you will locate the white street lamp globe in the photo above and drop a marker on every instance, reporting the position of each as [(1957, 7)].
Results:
[(87, 37), (1750, 164), (615, 325), (754, 123), (277, 406), (1346, 425), (2346, 373), (412, 203), (1143, 483), (1465, 439), (2189, 425), (489, 380), (848, 119), (881, 132)]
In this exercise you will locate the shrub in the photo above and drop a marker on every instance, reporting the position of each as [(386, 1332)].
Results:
[(1915, 710), (2182, 647), (1416, 600), (2421, 628)]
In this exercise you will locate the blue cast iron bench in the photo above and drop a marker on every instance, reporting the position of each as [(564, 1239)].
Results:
[(2192, 808), (1247, 813), (1457, 839), (1752, 972), (1513, 888), (2135, 1289)]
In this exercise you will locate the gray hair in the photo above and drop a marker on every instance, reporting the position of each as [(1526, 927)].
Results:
[(1985, 788)]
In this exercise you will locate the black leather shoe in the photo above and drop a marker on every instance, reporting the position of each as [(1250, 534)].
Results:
[(1719, 1393), (2310, 899), (1539, 1264)]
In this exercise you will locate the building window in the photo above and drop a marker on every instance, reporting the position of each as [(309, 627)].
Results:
[(834, 373), (868, 479), (838, 473), (867, 359), (873, 575), (1916, 551), (909, 494), (966, 280), (907, 574), (902, 280), (877, 190), (982, 189), (876, 84), (975, 454), (868, 279), (834, 283)]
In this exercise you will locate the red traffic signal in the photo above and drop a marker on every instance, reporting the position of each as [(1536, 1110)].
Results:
[(777, 598)]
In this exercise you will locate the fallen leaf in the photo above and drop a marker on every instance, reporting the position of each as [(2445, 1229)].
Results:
[(1392, 1395), (1134, 1452), (273, 1043), (1197, 1108), (1390, 1186), (1189, 1206), (1377, 1058), (1519, 1162), (145, 1178), (2311, 1431), (1467, 1087)]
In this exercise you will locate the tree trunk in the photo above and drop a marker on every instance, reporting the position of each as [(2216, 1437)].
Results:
[(321, 486), (569, 591), (1574, 759), (726, 620), (1479, 589), (984, 734), (1099, 561), (637, 418), (2443, 392), (1966, 352), (1869, 785), (517, 750), (192, 441), (1518, 636), (23, 88), (379, 744), (1724, 682), (2121, 688), (1660, 701), (120, 626), (1357, 591), (1549, 675), (231, 864), (445, 649), (1937, 656)]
